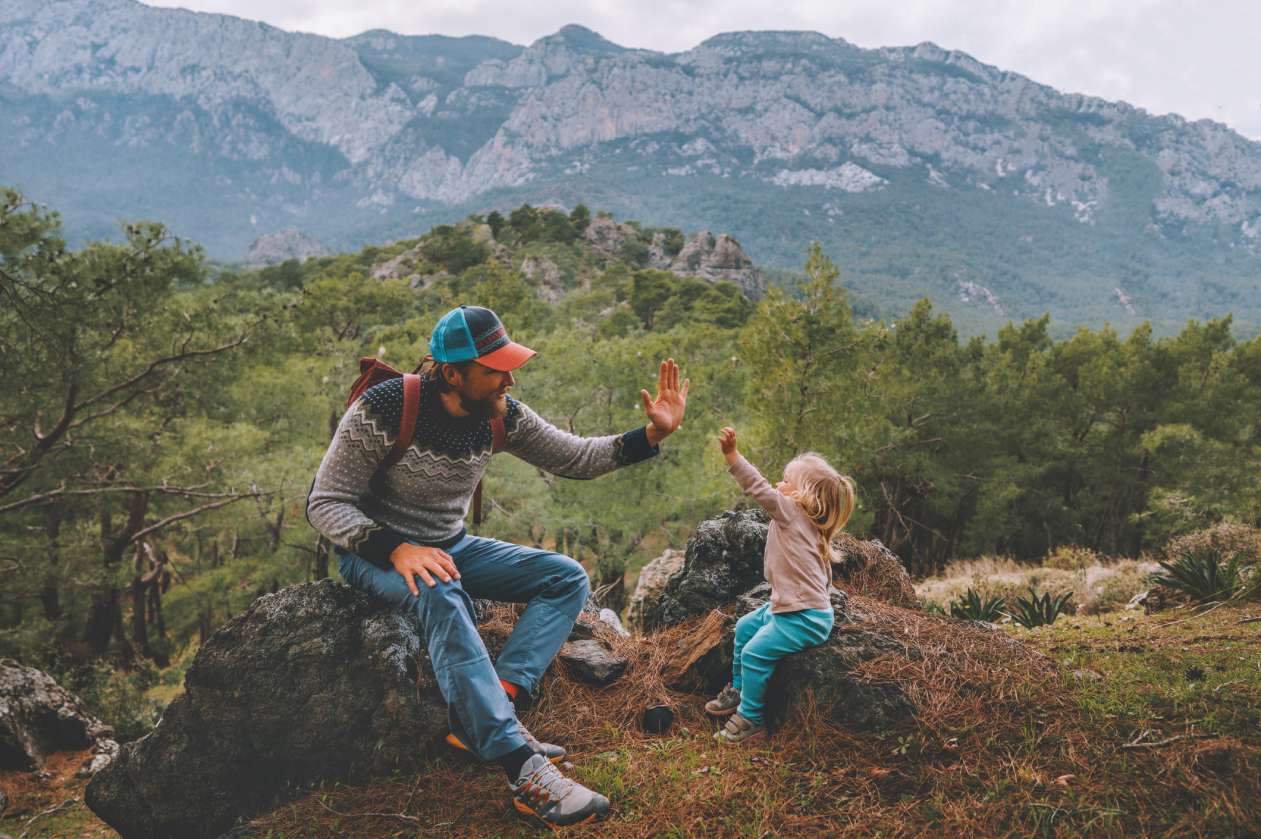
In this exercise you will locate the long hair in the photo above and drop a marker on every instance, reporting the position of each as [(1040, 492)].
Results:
[(430, 369), (825, 495)]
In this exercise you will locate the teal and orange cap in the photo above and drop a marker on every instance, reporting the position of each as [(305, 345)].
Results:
[(473, 333)]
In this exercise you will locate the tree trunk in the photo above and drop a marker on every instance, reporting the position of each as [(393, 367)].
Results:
[(50, 592)]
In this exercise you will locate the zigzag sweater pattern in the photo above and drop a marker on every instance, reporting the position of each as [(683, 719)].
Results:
[(425, 496)]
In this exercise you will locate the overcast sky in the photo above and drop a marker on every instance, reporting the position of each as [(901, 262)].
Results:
[(1198, 59)]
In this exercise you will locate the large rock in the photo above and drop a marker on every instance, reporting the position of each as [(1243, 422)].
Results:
[(652, 582), (700, 661), (313, 683), (868, 567), (723, 560), (38, 717)]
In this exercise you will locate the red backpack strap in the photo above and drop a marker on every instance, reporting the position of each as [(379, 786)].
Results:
[(498, 434), (406, 425)]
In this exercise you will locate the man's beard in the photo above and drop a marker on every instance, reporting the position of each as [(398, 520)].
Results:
[(489, 408)]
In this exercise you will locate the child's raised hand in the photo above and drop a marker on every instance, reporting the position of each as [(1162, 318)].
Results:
[(727, 442)]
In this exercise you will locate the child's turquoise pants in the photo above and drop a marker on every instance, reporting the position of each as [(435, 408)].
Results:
[(762, 639)]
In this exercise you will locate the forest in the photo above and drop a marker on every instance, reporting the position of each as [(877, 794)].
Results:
[(161, 418)]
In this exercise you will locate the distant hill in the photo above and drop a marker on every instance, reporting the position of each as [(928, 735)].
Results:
[(921, 170)]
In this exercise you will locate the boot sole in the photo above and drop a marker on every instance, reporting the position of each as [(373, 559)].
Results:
[(538, 821), (724, 712)]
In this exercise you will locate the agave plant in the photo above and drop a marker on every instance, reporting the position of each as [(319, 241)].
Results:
[(971, 607), (1034, 611), (1203, 576)]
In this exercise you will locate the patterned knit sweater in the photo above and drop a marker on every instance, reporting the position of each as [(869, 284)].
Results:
[(425, 496)]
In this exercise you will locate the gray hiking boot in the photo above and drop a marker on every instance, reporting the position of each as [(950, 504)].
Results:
[(738, 729), (457, 739), (551, 751), (725, 703), (551, 800)]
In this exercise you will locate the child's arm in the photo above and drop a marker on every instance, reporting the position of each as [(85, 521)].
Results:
[(751, 480)]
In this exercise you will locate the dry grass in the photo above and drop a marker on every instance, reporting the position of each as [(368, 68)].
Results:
[(1102, 586), (873, 571)]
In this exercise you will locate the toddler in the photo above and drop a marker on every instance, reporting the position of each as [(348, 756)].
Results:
[(807, 507)]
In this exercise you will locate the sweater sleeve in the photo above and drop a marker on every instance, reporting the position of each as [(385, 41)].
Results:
[(362, 441), (775, 503), (538, 442)]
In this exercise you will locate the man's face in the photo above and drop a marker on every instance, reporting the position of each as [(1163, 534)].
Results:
[(483, 392)]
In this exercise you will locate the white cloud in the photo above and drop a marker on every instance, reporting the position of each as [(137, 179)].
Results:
[(1199, 60)]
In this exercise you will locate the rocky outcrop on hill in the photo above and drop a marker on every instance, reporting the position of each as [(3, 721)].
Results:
[(313, 683), (38, 717), (290, 243), (719, 258)]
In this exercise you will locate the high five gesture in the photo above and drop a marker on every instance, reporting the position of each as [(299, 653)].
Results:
[(665, 411)]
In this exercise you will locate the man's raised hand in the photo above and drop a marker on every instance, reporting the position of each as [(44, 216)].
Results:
[(665, 412), (414, 561)]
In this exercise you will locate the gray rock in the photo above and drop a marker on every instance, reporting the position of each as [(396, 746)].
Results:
[(652, 581), (313, 683), (592, 662), (722, 561), (38, 717), (290, 243), (610, 619), (703, 664)]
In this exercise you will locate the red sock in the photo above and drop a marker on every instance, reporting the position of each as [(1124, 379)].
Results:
[(510, 689)]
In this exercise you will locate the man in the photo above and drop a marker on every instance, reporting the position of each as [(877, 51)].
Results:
[(407, 524)]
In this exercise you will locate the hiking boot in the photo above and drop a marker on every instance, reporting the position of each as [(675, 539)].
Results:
[(725, 703), (738, 729), (457, 739), (551, 800), (551, 751)]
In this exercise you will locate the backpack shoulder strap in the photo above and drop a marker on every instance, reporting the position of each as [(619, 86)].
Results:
[(407, 424), (498, 434)]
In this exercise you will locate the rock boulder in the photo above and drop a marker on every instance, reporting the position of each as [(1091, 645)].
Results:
[(38, 717), (313, 683)]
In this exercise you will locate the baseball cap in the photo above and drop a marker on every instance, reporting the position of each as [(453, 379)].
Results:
[(471, 333)]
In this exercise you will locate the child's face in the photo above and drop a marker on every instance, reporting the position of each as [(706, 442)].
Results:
[(785, 486)]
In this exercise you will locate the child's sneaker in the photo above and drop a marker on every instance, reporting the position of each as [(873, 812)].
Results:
[(738, 729), (725, 703)]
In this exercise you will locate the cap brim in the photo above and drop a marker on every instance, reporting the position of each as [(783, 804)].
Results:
[(508, 357)]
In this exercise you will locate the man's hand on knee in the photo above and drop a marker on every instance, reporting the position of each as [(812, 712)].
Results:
[(414, 561)]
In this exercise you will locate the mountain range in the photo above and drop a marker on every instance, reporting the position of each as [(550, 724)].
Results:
[(922, 171)]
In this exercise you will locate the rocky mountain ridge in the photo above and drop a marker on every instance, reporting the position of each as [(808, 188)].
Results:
[(779, 137)]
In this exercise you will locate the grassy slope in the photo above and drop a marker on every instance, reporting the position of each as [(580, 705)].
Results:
[(1048, 767)]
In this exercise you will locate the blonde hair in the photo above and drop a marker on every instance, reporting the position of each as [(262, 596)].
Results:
[(825, 495)]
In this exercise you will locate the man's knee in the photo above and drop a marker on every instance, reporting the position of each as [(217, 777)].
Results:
[(440, 599)]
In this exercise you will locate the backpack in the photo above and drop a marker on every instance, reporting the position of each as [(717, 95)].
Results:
[(373, 371)]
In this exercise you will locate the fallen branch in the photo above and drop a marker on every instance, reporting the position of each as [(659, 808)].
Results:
[(1256, 619), (1152, 744), (403, 816), (1217, 605)]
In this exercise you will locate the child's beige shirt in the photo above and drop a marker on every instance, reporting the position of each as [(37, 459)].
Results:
[(799, 575)]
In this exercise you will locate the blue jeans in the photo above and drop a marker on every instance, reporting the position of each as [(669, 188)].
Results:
[(555, 587), (762, 639)]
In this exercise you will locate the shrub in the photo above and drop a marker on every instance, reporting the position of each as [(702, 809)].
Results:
[(1203, 575), (1034, 611), (971, 606), (1072, 558), (1228, 538)]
